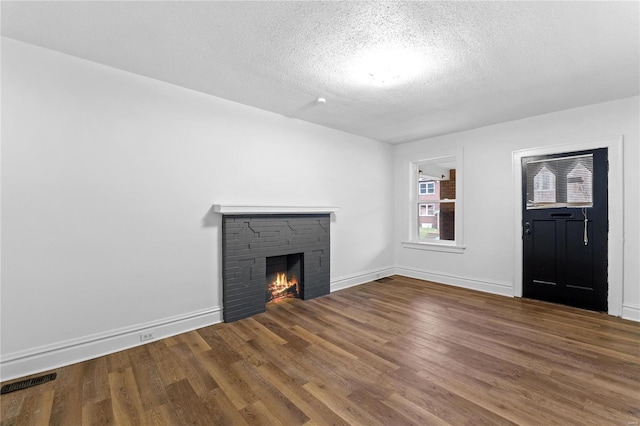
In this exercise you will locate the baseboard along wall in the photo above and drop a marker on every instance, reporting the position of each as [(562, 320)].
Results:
[(45, 358)]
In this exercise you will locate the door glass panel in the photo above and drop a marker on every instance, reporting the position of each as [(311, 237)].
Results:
[(544, 186), (560, 182), (580, 185)]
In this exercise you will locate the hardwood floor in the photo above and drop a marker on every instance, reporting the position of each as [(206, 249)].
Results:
[(400, 352)]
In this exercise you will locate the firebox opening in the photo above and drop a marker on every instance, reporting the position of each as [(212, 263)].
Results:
[(284, 278)]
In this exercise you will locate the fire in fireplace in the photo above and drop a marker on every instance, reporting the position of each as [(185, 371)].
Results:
[(282, 287), (283, 277)]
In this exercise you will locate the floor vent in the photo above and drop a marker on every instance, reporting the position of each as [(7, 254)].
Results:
[(12, 387)]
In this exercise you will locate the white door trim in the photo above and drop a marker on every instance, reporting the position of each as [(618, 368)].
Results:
[(616, 213)]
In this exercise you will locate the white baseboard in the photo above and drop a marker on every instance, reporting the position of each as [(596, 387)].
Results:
[(43, 358), (494, 287), (49, 357), (631, 312), (347, 281)]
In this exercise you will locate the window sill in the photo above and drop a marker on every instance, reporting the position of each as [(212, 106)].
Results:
[(433, 247)]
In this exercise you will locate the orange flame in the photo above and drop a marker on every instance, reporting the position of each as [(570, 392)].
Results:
[(283, 287)]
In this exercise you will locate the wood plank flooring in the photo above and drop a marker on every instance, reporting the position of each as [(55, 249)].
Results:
[(395, 353)]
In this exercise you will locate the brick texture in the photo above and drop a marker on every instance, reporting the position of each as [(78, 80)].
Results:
[(246, 243), (447, 213)]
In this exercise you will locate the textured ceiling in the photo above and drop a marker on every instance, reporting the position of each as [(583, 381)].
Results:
[(480, 63)]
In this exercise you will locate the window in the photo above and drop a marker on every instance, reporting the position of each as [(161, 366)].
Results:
[(427, 210), (580, 184), (544, 186), (444, 173), (436, 222), (426, 188), (559, 182)]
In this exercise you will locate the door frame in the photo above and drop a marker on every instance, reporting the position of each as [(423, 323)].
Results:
[(615, 242)]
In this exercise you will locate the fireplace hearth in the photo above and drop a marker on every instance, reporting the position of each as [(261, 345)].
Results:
[(268, 258)]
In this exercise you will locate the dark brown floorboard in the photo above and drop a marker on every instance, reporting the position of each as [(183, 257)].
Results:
[(397, 352)]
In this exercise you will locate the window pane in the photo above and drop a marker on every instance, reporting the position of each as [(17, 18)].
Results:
[(439, 222), (560, 182), (436, 203), (580, 185), (448, 187), (544, 186)]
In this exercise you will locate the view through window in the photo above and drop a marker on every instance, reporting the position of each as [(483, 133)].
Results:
[(436, 201)]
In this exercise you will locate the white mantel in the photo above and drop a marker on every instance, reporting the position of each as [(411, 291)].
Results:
[(234, 209)]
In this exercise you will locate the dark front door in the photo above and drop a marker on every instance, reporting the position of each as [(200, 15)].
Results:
[(565, 228)]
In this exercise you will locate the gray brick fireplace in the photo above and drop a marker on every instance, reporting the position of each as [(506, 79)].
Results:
[(248, 240)]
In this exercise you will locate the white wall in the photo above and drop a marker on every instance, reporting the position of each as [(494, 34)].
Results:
[(108, 178), (107, 181), (488, 260)]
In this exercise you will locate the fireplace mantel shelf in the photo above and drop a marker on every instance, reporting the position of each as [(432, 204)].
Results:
[(233, 209)]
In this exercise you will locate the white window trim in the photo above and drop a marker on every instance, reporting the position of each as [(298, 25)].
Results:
[(412, 241), (426, 188), (440, 246)]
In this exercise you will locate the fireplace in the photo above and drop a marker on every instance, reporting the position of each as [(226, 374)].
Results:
[(284, 278), (267, 258)]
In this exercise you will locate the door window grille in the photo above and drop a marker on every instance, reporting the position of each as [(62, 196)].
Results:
[(560, 182)]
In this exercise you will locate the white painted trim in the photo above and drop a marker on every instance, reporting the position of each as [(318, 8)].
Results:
[(48, 357), (347, 281), (233, 209), (487, 286), (631, 312), (616, 211), (458, 156), (433, 247)]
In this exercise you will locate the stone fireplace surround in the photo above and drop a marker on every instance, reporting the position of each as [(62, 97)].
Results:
[(250, 234)]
